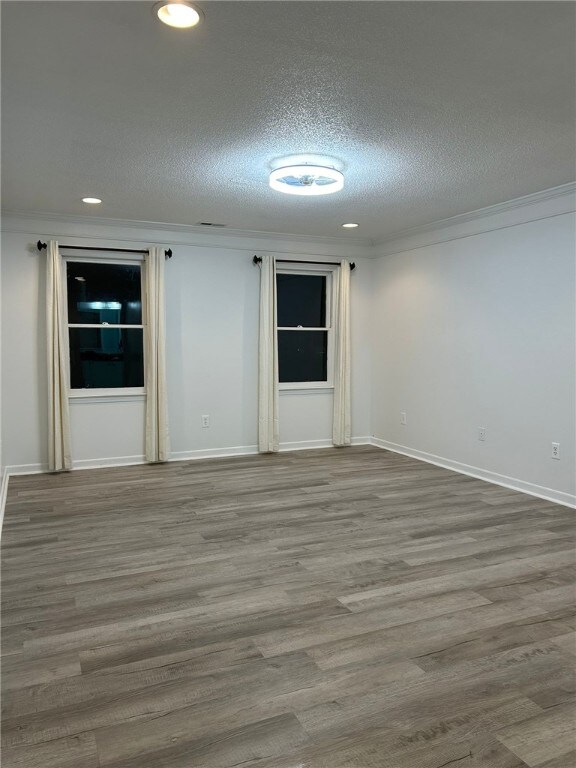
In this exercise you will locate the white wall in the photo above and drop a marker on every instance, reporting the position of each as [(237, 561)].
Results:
[(479, 331), (467, 324), (212, 291)]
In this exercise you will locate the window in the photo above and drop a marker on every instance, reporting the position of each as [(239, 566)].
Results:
[(304, 328), (105, 325)]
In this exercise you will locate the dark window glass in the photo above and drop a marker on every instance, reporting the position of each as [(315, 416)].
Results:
[(104, 293), (302, 355), (106, 357), (301, 301)]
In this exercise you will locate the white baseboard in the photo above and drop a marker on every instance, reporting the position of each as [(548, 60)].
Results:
[(361, 441), (559, 497), (202, 453), (26, 469), (115, 461), (214, 453), (306, 445), (3, 492)]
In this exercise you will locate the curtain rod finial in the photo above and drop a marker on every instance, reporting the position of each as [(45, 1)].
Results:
[(168, 253), (40, 245), (257, 260)]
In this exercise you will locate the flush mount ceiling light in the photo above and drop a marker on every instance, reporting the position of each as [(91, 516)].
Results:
[(179, 13), (306, 180), (351, 225), (91, 200)]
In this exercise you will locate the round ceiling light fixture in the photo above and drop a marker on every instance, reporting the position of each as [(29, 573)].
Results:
[(179, 13), (307, 180), (91, 200), (351, 225)]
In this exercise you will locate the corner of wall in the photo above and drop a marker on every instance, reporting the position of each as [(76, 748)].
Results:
[(3, 494), (540, 205)]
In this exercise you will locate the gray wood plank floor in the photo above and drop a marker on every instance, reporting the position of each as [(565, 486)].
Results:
[(321, 609)]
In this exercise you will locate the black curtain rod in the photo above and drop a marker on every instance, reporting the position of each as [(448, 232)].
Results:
[(41, 246), (258, 259)]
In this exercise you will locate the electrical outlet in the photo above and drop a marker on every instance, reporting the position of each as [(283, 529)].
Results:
[(482, 431), (205, 421), (403, 418), (555, 451)]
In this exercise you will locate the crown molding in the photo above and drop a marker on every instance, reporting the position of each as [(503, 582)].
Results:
[(551, 202), (555, 201), (48, 224)]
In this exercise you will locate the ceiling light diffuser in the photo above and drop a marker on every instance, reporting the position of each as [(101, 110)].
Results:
[(351, 225), (180, 14), (306, 180), (91, 200)]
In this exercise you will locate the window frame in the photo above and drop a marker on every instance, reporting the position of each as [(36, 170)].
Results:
[(312, 387), (105, 392)]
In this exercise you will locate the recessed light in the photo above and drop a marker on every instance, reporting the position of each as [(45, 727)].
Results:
[(91, 200), (307, 180), (351, 225), (180, 14)]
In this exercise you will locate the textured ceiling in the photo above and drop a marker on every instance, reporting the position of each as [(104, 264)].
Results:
[(432, 109)]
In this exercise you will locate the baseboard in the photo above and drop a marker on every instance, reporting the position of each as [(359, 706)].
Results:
[(250, 450), (306, 445), (26, 469), (115, 461), (3, 493), (559, 497), (202, 453), (214, 453)]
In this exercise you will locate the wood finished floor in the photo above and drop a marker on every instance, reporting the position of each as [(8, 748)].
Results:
[(342, 608)]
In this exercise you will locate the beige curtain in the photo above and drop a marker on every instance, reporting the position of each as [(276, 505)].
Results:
[(341, 431), (268, 419), (59, 451), (157, 435)]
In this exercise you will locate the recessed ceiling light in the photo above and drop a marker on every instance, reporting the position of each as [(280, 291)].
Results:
[(180, 14), (351, 225), (91, 200), (306, 180)]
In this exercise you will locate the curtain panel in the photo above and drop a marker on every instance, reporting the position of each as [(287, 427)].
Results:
[(59, 441), (157, 434), (341, 429), (268, 418)]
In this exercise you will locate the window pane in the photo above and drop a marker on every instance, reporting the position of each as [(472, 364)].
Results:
[(302, 355), (106, 357), (301, 301), (104, 293)]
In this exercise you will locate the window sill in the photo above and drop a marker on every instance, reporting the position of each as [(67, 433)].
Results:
[(306, 389), (79, 396)]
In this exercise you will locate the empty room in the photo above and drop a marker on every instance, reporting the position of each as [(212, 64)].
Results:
[(288, 384)]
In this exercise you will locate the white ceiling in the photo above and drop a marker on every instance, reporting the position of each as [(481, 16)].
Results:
[(432, 109)]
